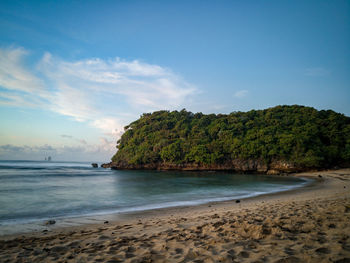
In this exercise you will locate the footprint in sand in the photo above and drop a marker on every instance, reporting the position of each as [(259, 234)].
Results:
[(114, 261), (59, 249), (289, 251), (244, 254), (346, 247), (129, 255), (103, 237), (112, 250), (322, 250), (343, 260), (288, 260)]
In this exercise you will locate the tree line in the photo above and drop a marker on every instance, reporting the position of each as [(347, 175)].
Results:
[(298, 134)]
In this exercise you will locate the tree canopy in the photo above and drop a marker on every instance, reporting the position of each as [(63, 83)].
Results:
[(302, 135)]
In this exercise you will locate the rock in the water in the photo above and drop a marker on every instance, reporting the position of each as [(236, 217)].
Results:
[(238, 201), (106, 165), (50, 222), (95, 165)]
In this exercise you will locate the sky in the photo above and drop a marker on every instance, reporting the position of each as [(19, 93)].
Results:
[(74, 73)]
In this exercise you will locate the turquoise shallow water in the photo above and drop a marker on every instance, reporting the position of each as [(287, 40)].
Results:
[(31, 191)]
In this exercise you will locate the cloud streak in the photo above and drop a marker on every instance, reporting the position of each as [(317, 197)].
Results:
[(79, 88), (241, 94), (105, 94), (20, 86), (144, 86), (14, 75), (82, 141)]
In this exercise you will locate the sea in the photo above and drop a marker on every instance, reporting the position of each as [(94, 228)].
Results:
[(37, 191)]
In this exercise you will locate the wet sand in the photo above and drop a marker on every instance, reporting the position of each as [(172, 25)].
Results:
[(311, 224)]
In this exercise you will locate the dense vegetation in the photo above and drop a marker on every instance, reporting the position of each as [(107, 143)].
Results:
[(301, 135)]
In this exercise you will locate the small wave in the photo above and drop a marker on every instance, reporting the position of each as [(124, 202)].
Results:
[(22, 167), (40, 191), (145, 207)]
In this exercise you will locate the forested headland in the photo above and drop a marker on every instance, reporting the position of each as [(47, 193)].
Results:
[(278, 139)]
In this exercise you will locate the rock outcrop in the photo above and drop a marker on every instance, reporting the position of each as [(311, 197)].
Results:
[(252, 166), (106, 165)]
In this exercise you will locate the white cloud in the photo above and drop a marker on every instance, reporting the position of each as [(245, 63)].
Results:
[(106, 94), (14, 75), (110, 126), (143, 86), (22, 87), (317, 72), (241, 93), (79, 88), (100, 152), (82, 141)]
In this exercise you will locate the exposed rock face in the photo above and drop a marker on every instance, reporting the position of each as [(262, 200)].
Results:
[(106, 165), (282, 166), (254, 166)]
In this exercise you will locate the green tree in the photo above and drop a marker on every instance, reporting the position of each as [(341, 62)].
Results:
[(298, 134)]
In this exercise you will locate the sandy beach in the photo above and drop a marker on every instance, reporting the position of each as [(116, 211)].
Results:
[(311, 224)]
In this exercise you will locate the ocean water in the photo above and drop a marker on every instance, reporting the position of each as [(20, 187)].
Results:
[(33, 191)]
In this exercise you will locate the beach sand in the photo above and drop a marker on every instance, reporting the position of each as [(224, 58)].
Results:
[(311, 224)]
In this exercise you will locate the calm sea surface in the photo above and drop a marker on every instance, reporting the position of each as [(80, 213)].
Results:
[(31, 191)]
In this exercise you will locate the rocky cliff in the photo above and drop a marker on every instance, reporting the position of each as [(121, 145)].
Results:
[(242, 166)]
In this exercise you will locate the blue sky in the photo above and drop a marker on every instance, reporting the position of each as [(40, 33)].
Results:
[(73, 73)]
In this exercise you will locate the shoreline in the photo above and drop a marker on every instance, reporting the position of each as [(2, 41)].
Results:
[(36, 226), (308, 224)]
